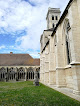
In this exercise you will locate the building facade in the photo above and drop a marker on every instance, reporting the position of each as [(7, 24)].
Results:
[(18, 67), (60, 48)]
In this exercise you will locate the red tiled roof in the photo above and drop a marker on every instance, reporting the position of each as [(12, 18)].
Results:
[(18, 59)]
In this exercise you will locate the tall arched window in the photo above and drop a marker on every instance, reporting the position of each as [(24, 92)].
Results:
[(52, 17), (56, 17), (53, 25), (2, 74), (11, 74), (68, 42), (68, 50), (21, 73), (30, 73)]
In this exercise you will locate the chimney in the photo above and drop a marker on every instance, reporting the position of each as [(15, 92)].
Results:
[(11, 52)]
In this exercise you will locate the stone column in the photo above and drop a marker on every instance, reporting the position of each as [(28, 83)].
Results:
[(52, 67), (34, 69), (76, 77), (16, 76), (75, 45), (43, 68), (60, 59), (75, 28), (46, 69), (6, 75), (60, 77), (25, 74)]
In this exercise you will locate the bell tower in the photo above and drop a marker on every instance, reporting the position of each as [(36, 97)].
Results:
[(52, 17)]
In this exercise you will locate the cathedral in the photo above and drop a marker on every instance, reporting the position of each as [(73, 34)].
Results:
[(60, 48), (18, 67)]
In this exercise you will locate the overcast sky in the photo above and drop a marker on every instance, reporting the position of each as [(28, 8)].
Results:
[(22, 22)]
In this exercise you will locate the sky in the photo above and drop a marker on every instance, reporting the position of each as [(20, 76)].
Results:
[(22, 22)]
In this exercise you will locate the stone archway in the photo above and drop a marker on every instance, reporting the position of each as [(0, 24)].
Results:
[(66, 38), (30, 73), (11, 74), (2, 74), (21, 74)]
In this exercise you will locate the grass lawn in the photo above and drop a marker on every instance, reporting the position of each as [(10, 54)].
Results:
[(26, 94)]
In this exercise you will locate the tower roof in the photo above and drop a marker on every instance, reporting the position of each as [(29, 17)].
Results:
[(53, 10)]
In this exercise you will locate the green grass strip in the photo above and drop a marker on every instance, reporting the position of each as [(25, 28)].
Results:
[(26, 94)]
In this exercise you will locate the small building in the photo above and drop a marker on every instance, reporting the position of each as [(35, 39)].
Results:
[(18, 67)]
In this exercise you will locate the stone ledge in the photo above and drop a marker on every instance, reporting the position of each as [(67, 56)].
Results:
[(60, 68), (52, 70), (46, 71), (74, 63), (63, 68), (46, 61), (68, 66)]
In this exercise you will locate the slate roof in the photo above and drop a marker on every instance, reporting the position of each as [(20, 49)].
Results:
[(18, 60)]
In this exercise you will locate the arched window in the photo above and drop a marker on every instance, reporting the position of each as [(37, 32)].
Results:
[(68, 50), (11, 73), (56, 17), (68, 27), (21, 73), (53, 25), (30, 73), (52, 17), (2, 73), (68, 42)]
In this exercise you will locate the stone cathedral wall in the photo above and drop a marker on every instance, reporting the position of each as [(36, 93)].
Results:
[(60, 57)]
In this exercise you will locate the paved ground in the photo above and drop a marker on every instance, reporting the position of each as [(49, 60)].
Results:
[(66, 91)]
